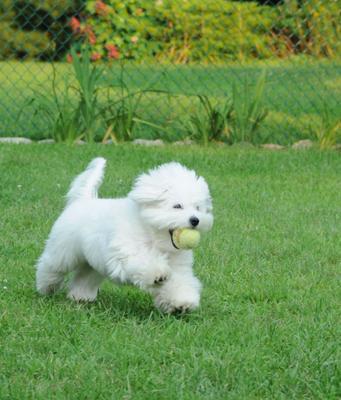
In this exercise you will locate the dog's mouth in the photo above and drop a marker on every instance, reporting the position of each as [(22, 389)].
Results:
[(172, 240)]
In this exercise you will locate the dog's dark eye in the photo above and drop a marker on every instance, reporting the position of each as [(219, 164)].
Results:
[(177, 206)]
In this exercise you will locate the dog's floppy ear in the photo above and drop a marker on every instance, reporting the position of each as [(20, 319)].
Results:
[(146, 190)]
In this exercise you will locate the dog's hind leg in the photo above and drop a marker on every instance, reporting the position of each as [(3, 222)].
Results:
[(85, 284)]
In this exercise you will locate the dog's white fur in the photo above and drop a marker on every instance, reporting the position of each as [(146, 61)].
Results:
[(128, 240)]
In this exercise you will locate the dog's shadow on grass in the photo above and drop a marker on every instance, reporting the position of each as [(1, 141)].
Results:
[(123, 303), (115, 304)]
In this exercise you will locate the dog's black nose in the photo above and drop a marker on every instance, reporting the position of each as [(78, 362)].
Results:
[(194, 221)]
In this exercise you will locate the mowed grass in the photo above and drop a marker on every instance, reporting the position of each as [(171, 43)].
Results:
[(296, 94), (269, 322)]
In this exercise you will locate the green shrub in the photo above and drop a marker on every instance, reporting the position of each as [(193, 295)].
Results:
[(326, 128), (35, 28), (310, 27), (248, 112), (16, 43), (211, 31), (75, 111), (179, 30), (238, 118), (60, 115), (210, 122), (88, 106)]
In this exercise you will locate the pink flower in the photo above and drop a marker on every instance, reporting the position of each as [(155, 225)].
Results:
[(69, 58), (95, 57), (90, 35), (75, 25), (112, 51), (92, 38), (101, 8)]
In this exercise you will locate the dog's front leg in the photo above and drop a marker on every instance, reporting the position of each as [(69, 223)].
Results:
[(181, 292), (144, 270)]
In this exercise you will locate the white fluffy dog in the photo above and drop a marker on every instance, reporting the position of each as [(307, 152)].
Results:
[(128, 240)]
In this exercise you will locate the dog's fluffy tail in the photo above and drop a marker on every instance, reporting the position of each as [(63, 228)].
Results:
[(85, 185)]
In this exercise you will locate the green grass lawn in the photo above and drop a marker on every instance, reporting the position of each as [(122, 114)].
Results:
[(296, 94), (268, 326)]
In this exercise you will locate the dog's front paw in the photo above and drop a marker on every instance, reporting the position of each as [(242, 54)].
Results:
[(158, 275), (160, 278), (151, 278), (180, 303)]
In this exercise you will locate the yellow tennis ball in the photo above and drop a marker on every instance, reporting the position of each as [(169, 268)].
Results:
[(186, 238)]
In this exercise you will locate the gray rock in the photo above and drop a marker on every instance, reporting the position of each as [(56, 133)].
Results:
[(46, 141), (16, 140), (146, 142), (303, 144), (272, 146), (185, 142), (109, 141), (80, 141)]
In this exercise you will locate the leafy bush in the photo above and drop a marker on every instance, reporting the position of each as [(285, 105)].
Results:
[(36, 29), (59, 113), (178, 30), (248, 112), (88, 108), (170, 30), (326, 129), (310, 27), (216, 31), (210, 122), (19, 44), (70, 116), (76, 112), (121, 115), (193, 30), (236, 119)]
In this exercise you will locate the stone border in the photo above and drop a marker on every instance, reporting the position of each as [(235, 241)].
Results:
[(300, 145)]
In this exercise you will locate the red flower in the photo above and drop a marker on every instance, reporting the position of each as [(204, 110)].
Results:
[(101, 8), (75, 25), (90, 35), (112, 51), (69, 58), (95, 57)]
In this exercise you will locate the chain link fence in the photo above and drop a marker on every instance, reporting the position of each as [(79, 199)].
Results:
[(178, 53)]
